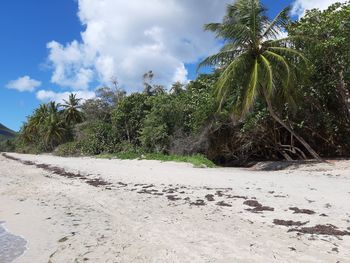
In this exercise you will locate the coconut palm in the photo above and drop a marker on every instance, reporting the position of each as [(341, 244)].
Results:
[(31, 129), (72, 111), (255, 62), (54, 128)]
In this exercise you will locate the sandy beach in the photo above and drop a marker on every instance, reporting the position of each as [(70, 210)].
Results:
[(98, 210)]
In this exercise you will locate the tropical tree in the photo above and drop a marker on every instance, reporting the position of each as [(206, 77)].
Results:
[(177, 87), (72, 112), (46, 128), (35, 121), (151, 89), (129, 115), (54, 128), (255, 62), (329, 51)]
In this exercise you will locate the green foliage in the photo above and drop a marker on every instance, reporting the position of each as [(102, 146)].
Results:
[(96, 138), (72, 113), (265, 69), (69, 149), (45, 129), (7, 145), (325, 113), (6, 133), (197, 160), (164, 120), (258, 104), (129, 115), (50, 126), (199, 103), (100, 108)]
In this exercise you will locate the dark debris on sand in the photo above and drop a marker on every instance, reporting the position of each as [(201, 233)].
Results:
[(288, 223), (219, 193), (173, 198), (198, 202), (327, 230), (236, 197), (150, 192), (222, 203), (257, 207), (302, 211), (210, 197), (96, 182)]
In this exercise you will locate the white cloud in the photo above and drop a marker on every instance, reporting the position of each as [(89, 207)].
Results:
[(70, 65), (48, 95), (23, 84), (125, 39), (300, 6)]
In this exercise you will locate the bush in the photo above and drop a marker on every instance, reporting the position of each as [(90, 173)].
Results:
[(7, 146), (68, 149), (96, 138), (164, 120), (129, 116)]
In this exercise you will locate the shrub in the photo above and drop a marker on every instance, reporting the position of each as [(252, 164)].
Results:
[(68, 149), (96, 138)]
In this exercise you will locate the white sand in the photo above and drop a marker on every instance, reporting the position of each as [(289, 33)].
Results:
[(68, 220)]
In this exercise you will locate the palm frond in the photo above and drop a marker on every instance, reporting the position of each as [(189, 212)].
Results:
[(282, 61), (214, 27), (289, 39), (251, 90), (290, 51), (278, 23), (269, 74), (229, 74), (218, 59)]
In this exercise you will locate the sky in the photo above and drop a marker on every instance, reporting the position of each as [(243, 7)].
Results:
[(51, 48)]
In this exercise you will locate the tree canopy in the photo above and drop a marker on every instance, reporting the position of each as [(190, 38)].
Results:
[(279, 89)]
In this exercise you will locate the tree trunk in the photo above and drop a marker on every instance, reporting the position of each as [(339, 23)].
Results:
[(127, 132), (344, 92), (300, 139)]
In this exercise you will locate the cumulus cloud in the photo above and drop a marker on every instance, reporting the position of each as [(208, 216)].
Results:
[(71, 65), (125, 39), (300, 6), (49, 95), (23, 84)]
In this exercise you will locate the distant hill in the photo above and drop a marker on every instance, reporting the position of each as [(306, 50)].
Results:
[(6, 133)]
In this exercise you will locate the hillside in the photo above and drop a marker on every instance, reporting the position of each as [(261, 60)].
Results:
[(6, 133)]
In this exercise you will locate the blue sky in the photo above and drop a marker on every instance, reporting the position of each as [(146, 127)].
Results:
[(27, 26)]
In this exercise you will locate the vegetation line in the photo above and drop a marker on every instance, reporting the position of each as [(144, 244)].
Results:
[(198, 161), (278, 90)]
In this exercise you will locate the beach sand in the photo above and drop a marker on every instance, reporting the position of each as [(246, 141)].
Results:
[(97, 210)]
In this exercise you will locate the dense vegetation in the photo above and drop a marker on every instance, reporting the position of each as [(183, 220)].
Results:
[(6, 133), (6, 139), (267, 99)]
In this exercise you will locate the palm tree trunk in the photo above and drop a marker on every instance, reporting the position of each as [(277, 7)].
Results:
[(300, 139)]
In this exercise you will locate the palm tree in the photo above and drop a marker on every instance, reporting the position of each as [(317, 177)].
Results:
[(54, 128), (147, 82), (254, 62), (31, 129), (72, 111)]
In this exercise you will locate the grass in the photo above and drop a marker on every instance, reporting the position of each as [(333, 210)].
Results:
[(197, 160)]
